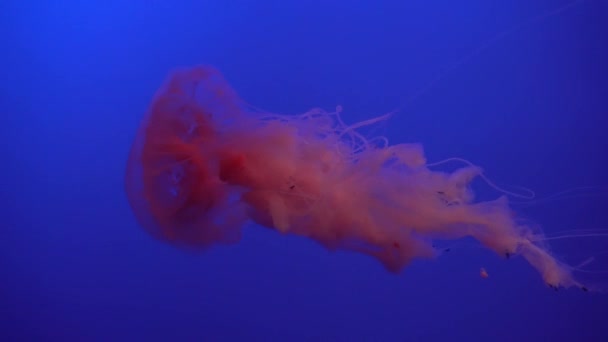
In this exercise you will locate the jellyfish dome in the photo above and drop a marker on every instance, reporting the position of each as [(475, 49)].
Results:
[(204, 164)]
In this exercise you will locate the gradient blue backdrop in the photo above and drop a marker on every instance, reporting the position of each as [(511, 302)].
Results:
[(77, 77)]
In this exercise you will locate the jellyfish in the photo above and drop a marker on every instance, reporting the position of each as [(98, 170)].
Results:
[(204, 164)]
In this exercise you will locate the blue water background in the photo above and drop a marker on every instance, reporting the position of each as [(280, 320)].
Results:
[(530, 107)]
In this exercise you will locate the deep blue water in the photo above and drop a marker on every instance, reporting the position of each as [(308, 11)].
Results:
[(530, 106)]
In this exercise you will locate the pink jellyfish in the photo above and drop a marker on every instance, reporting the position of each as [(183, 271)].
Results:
[(204, 164)]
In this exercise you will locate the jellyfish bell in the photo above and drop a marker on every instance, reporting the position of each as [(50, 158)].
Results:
[(204, 163), (171, 177)]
